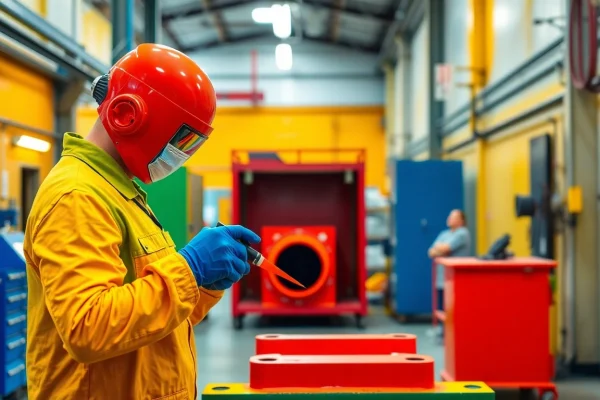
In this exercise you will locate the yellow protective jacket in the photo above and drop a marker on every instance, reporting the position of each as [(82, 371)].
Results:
[(111, 303)]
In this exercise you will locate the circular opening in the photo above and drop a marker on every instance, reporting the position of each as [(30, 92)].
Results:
[(415, 359), (301, 262), (472, 387), (303, 257), (271, 336), (267, 359), (221, 388), (400, 336)]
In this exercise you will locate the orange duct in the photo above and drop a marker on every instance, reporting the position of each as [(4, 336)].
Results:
[(308, 254)]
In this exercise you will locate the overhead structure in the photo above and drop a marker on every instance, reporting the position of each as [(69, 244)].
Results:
[(72, 60), (357, 25)]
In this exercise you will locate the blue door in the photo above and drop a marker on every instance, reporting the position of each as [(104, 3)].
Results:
[(425, 192)]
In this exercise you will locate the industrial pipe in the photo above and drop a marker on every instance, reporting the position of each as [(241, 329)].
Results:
[(304, 257)]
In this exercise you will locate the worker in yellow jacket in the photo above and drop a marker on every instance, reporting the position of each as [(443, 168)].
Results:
[(112, 303)]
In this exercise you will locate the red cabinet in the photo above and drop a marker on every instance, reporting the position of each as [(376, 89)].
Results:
[(497, 321)]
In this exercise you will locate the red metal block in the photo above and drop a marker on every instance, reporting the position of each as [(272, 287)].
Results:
[(397, 370), (348, 344)]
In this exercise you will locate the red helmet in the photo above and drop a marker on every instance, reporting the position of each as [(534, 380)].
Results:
[(157, 106)]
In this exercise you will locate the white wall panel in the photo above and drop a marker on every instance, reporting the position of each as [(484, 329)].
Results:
[(510, 36), (456, 50), (419, 91)]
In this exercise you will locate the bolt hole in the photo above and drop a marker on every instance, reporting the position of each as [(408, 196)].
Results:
[(221, 388), (267, 359), (415, 359), (271, 336), (400, 336), (473, 387)]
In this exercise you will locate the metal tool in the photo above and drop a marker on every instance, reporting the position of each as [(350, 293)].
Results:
[(256, 258)]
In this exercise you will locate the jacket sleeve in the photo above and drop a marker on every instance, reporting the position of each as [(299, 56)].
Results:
[(208, 299), (76, 249)]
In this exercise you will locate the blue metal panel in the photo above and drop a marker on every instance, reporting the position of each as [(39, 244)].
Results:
[(9, 217), (13, 312), (123, 27), (152, 21), (425, 192), (11, 250)]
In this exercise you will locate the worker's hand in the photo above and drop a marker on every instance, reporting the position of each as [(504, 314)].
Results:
[(216, 257)]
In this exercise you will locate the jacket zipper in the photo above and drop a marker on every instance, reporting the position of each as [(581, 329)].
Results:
[(148, 213), (190, 328), (190, 336)]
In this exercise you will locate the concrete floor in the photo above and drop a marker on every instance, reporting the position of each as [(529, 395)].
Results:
[(223, 352)]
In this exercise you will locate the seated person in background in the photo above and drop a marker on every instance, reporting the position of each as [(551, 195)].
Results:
[(452, 242)]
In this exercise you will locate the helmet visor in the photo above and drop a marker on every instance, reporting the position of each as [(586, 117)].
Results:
[(188, 140)]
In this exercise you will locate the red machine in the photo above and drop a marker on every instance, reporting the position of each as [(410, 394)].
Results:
[(311, 217), (496, 322)]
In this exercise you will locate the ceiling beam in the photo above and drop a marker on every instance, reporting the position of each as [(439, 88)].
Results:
[(334, 20), (232, 40), (195, 11), (353, 46), (167, 28), (269, 34), (355, 11), (408, 16), (217, 20)]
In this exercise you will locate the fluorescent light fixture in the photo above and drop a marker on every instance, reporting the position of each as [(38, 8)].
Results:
[(31, 143), (262, 15), (282, 20), (283, 56)]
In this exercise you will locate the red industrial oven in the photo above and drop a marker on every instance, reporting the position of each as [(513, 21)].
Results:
[(308, 206)]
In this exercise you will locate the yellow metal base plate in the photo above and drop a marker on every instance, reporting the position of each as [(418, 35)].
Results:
[(442, 390)]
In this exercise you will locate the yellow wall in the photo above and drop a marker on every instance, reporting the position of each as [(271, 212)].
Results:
[(96, 35), (39, 6), (292, 128), (22, 91), (85, 119), (507, 165)]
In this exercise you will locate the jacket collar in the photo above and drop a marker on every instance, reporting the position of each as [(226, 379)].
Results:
[(76, 146)]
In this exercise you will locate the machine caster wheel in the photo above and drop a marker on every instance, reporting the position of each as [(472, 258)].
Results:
[(360, 323), (548, 396), (238, 322)]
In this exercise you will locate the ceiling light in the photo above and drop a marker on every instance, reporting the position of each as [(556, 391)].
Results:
[(31, 143), (283, 56), (282, 20), (262, 15)]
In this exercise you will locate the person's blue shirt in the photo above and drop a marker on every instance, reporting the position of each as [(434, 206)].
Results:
[(459, 241)]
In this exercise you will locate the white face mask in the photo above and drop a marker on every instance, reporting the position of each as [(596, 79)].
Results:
[(169, 161)]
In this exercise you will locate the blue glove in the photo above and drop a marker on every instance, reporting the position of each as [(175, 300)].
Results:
[(216, 258)]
